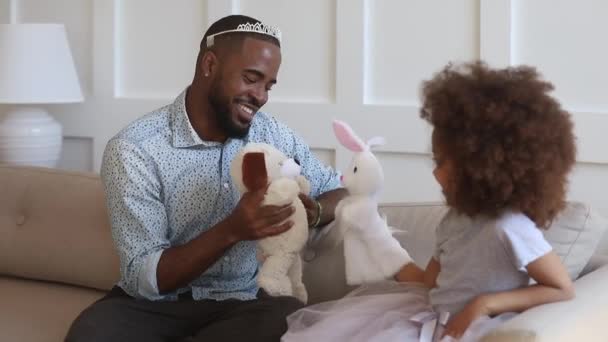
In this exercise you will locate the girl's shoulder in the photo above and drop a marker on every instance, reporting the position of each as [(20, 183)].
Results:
[(515, 221), (521, 237), (508, 227), (512, 226)]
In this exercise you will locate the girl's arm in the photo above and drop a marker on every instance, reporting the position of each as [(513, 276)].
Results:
[(431, 273), (412, 273), (552, 285)]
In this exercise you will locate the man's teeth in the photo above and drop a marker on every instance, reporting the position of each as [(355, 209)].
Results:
[(246, 109)]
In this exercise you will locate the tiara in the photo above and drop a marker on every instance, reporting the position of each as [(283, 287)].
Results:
[(248, 27)]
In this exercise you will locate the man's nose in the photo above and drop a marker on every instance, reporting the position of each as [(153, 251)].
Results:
[(260, 95)]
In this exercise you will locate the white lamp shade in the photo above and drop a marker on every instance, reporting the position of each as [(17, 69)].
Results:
[(36, 65)]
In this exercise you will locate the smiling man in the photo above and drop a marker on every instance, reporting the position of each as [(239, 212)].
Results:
[(186, 239)]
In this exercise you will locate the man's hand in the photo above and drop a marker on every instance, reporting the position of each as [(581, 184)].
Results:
[(251, 220), (312, 209), (458, 324)]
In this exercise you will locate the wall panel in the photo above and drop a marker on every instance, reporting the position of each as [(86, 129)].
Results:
[(308, 48), (156, 44), (407, 41)]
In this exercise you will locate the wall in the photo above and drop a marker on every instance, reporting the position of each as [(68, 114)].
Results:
[(357, 60)]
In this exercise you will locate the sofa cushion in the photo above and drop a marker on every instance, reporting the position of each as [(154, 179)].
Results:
[(40, 311), (54, 226), (414, 225), (574, 235)]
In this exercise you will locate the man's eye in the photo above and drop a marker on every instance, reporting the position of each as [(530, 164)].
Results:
[(248, 79)]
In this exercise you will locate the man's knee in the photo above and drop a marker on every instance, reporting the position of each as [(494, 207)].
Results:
[(263, 320), (98, 322), (87, 327), (287, 305), (275, 322)]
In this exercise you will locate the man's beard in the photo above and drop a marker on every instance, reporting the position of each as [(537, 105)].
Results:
[(221, 107)]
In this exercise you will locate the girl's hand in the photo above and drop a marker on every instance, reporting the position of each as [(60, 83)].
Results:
[(458, 324)]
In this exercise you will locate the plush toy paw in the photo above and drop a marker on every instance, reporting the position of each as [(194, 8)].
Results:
[(276, 286), (299, 291), (304, 184)]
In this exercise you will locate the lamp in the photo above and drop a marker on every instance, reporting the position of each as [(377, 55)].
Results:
[(36, 67)]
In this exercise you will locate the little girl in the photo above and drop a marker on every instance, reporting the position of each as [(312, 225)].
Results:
[(503, 149)]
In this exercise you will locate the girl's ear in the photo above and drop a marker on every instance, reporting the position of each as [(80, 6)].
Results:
[(347, 137)]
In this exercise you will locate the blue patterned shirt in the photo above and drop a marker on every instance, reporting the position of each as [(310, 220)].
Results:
[(165, 186)]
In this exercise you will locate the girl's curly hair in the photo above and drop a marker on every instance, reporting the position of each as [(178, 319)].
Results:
[(511, 144)]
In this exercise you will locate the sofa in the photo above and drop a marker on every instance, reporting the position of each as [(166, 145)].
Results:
[(57, 257)]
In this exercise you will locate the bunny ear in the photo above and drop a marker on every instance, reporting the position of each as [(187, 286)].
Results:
[(376, 141), (347, 137)]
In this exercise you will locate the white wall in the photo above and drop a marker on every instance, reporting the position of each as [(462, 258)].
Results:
[(357, 60)]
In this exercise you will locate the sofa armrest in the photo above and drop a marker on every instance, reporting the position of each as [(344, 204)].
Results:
[(581, 319)]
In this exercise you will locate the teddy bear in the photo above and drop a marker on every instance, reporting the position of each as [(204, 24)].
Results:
[(258, 165)]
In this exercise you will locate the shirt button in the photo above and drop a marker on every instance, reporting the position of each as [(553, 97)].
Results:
[(227, 258), (226, 185)]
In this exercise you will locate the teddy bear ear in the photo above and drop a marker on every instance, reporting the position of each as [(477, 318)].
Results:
[(255, 175)]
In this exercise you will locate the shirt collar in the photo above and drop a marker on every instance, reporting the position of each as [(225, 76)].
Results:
[(184, 134)]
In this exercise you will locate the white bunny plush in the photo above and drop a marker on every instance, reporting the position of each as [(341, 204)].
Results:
[(258, 165), (371, 252)]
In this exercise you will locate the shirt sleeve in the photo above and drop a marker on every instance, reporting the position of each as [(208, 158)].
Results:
[(147, 286), (322, 178), (522, 240), (137, 215)]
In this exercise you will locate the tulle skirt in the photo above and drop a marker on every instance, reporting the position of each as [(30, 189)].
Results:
[(374, 312)]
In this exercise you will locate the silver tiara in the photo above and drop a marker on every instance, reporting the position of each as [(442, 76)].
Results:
[(248, 27)]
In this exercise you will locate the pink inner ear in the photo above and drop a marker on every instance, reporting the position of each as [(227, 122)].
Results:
[(347, 137)]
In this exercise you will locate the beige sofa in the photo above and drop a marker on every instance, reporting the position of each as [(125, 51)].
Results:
[(57, 257)]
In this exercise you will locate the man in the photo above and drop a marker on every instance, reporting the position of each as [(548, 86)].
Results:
[(186, 241)]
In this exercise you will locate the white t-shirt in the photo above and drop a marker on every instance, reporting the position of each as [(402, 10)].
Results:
[(481, 255)]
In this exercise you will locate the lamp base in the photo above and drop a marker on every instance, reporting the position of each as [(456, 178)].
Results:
[(29, 136)]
